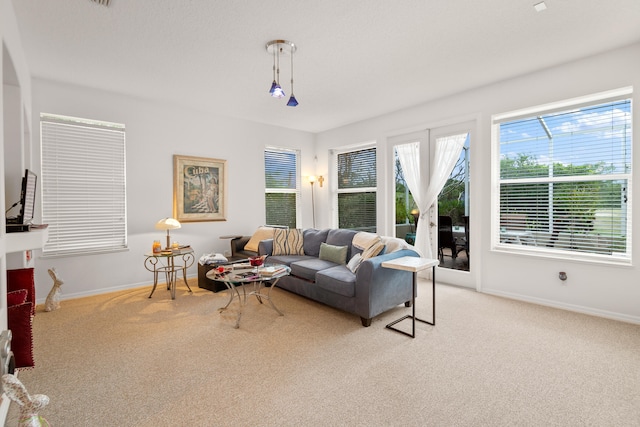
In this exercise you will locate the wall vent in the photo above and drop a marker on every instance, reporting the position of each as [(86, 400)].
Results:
[(102, 2)]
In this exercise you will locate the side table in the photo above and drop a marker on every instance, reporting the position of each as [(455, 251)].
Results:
[(414, 264), (169, 268)]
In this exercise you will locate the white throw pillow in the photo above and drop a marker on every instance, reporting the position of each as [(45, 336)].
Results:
[(354, 263)]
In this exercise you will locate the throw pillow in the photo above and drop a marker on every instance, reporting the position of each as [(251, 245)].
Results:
[(19, 321), (16, 297), (337, 254), (288, 242), (22, 278), (262, 233), (354, 263), (373, 250)]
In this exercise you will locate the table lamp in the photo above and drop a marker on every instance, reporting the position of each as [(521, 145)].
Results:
[(168, 224)]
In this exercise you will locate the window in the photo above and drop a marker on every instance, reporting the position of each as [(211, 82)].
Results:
[(564, 180), (83, 185), (356, 193), (282, 187)]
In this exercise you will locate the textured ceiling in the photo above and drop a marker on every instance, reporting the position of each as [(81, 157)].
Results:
[(356, 59)]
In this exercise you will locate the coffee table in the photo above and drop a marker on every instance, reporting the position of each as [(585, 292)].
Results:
[(236, 275)]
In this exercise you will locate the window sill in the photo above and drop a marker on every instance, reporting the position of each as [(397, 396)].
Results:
[(81, 253), (545, 253)]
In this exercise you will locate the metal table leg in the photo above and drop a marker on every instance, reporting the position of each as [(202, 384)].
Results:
[(412, 316)]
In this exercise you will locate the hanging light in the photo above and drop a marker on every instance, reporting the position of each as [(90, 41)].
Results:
[(292, 101), (278, 47), (274, 84), (277, 90)]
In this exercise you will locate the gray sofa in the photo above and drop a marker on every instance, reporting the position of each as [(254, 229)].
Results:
[(368, 292)]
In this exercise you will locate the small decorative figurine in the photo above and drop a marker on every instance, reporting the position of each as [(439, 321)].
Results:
[(29, 405), (53, 299)]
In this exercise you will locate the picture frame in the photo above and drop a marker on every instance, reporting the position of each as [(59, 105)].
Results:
[(199, 189)]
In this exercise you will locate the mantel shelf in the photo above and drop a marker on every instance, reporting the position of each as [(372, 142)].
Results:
[(18, 242)]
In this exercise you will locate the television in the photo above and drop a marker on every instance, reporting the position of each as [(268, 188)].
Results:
[(27, 197)]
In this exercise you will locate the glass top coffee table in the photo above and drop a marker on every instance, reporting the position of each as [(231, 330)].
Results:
[(238, 275)]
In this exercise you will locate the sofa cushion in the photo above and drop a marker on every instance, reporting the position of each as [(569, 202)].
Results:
[(287, 259), (337, 254), (288, 242), (341, 237), (339, 280), (308, 268), (262, 233), (312, 240)]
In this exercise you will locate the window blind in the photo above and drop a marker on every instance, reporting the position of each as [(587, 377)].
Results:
[(356, 192), (83, 185), (565, 181), (282, 187)]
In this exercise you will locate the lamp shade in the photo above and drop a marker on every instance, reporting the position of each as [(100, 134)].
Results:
[(168, 224), (292, 101)]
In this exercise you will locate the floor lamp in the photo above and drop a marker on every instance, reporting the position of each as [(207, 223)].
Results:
[(312, 180)]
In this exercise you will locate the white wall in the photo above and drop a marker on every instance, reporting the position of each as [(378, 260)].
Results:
[(608, 291), (154, 133), (15, 103)]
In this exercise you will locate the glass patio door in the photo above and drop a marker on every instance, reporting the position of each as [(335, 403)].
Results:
[(451, 230)]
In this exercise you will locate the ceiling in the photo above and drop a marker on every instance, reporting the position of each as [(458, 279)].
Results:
[(356, 59)]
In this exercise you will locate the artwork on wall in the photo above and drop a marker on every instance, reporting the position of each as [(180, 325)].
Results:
[(199, 189)]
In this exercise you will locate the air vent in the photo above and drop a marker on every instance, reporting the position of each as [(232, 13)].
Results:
[(102, 2)]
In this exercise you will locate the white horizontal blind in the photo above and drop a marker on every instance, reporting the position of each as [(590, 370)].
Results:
[(282, 186), (565, 181), (83, 185), (357, 186)]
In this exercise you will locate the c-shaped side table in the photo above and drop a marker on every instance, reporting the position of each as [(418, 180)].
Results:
[(414, 264), (170, 269)]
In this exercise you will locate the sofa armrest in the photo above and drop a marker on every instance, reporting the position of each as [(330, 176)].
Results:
[(265, 247), (379, 289), (237, 244)]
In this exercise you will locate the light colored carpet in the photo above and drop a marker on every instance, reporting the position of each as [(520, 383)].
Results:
[(122, 359)]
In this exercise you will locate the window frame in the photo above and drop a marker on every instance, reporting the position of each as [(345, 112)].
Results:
[(297, 190), (70, 231), (496, 181)]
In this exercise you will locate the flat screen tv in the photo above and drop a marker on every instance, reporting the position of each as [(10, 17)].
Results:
[(27, 197)]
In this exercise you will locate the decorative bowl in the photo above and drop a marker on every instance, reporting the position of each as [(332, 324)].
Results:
[(256, 261)]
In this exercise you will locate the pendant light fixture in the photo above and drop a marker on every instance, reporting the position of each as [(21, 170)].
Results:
[(277, 48), (292, 101)]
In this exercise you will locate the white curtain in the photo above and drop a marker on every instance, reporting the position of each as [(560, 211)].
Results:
[(425, 193)]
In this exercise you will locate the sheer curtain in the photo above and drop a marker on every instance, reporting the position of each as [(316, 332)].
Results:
[(424, 193)]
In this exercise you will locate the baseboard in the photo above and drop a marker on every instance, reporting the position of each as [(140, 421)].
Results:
[(92, 292), (569, 307)]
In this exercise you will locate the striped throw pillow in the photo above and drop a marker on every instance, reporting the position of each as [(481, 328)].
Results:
[(288, 242)]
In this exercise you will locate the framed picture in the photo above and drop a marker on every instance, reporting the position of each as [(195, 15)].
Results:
[(199, 189)]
